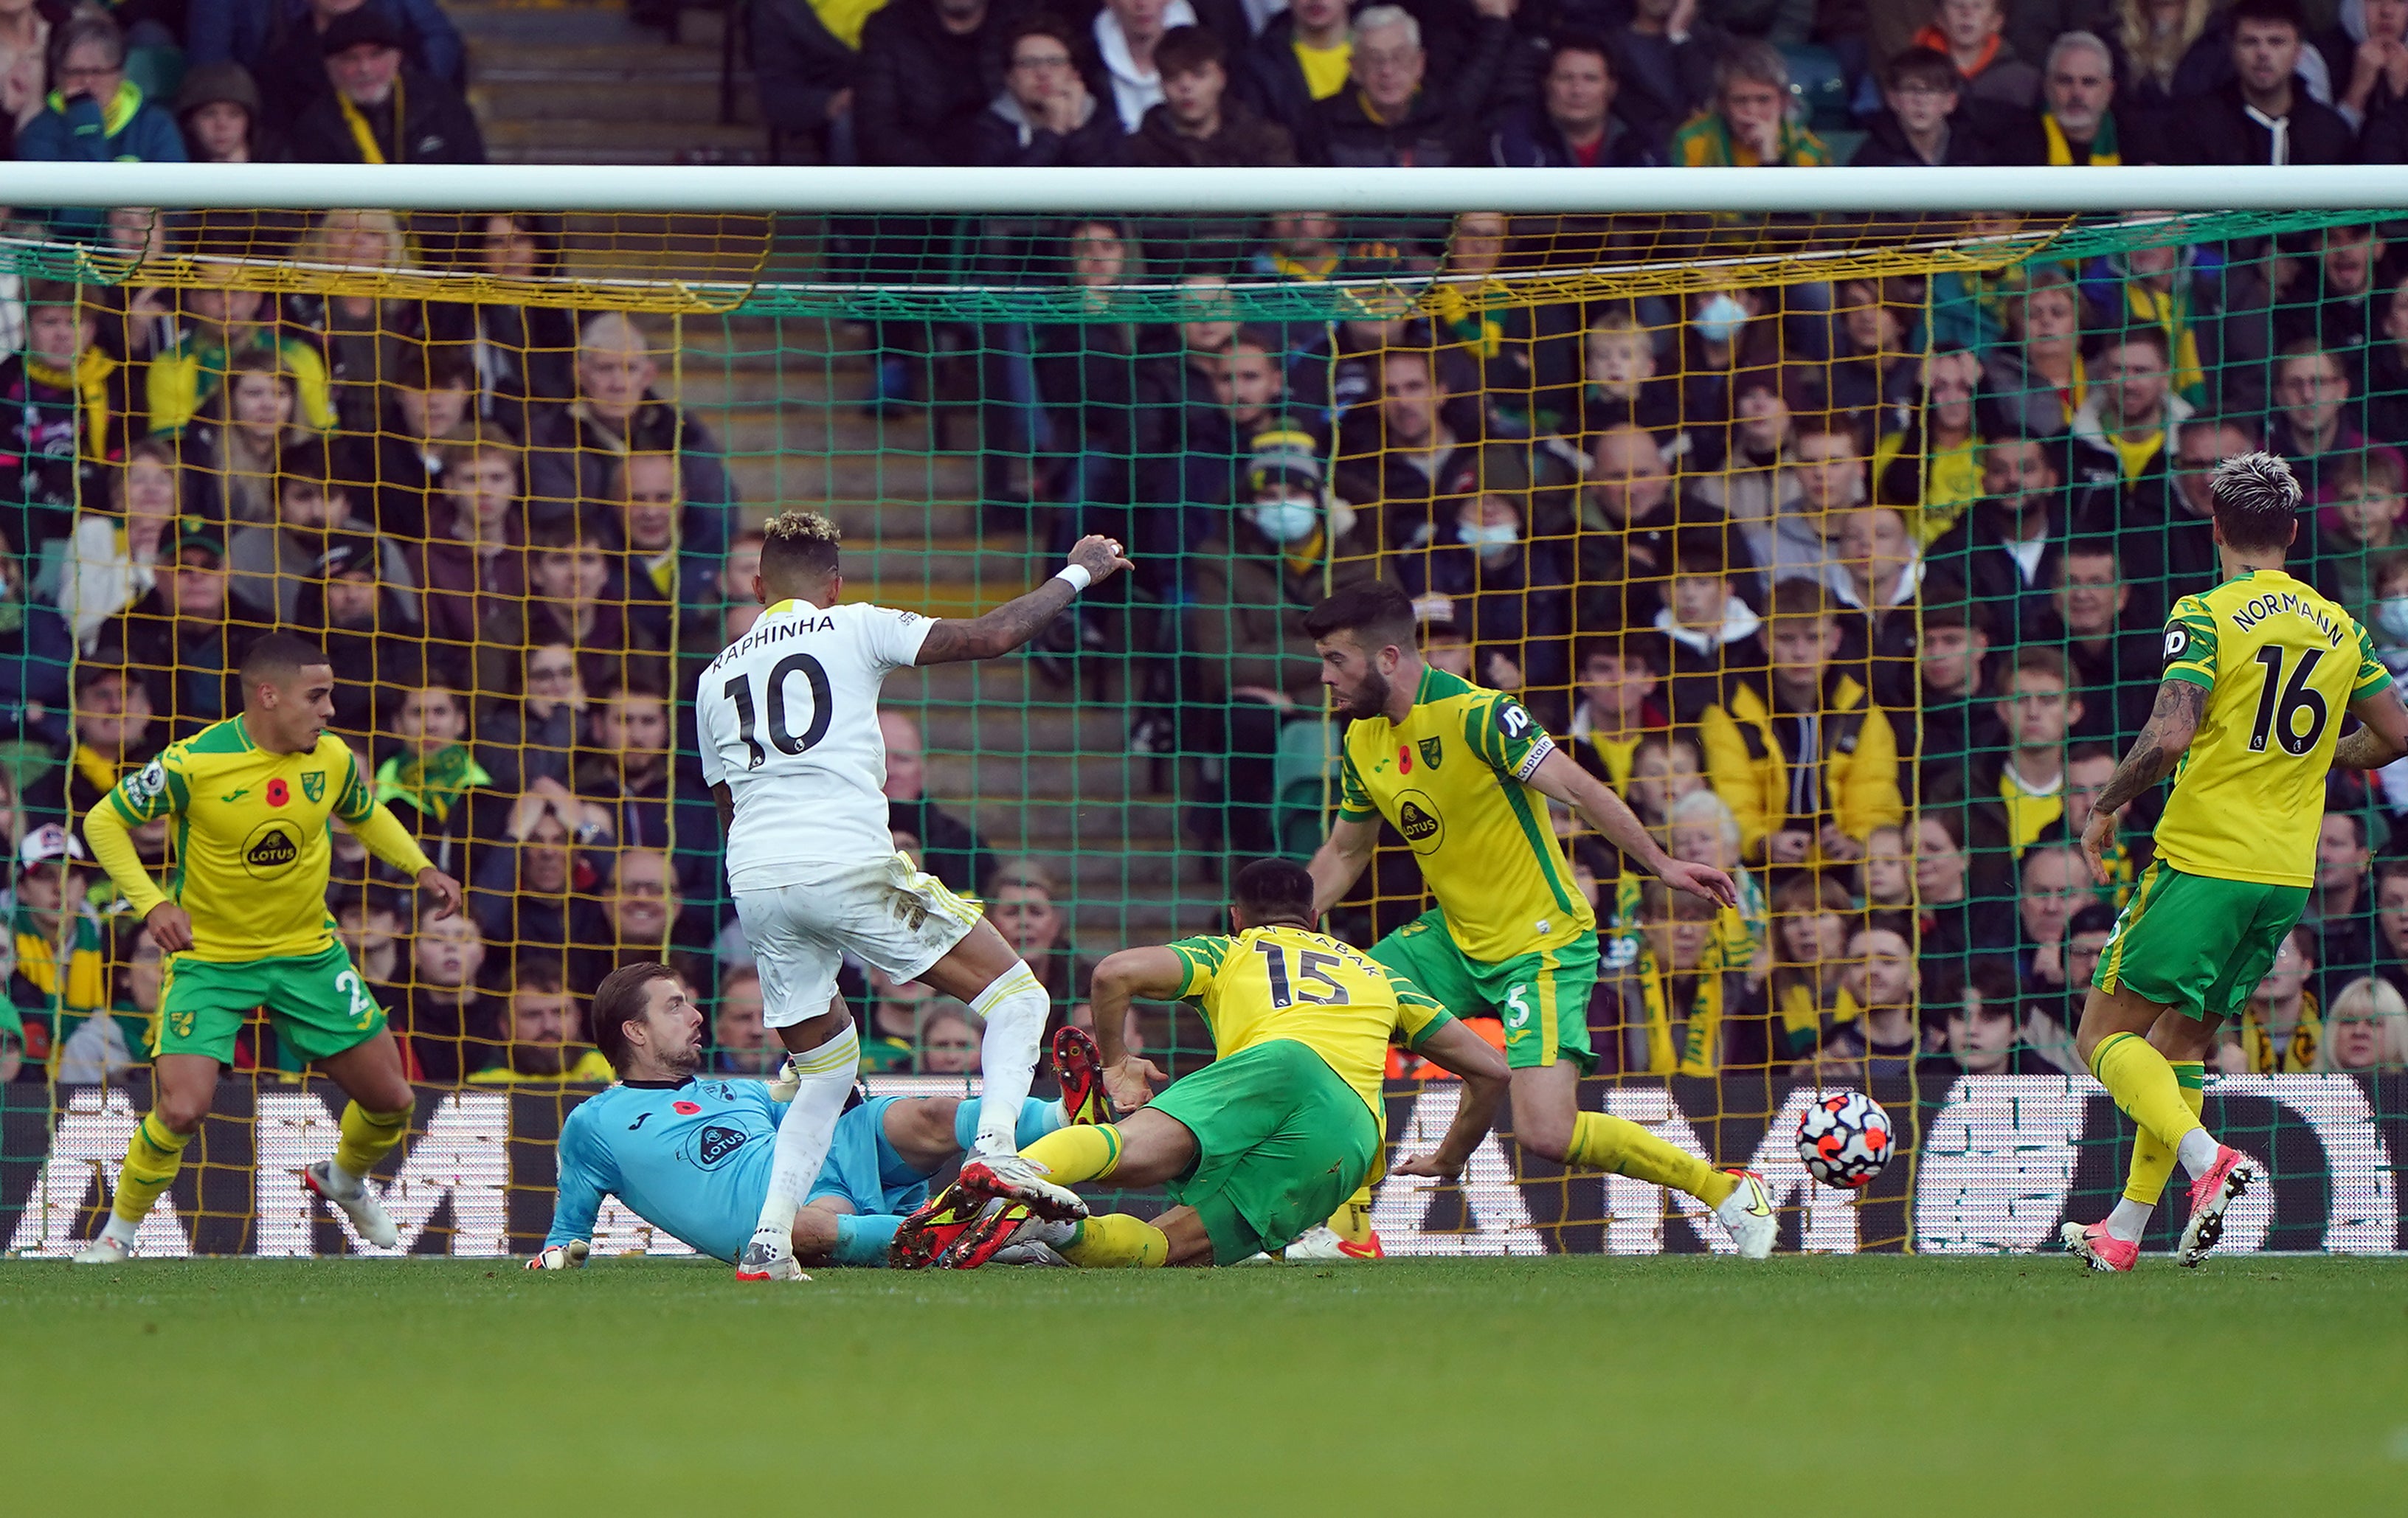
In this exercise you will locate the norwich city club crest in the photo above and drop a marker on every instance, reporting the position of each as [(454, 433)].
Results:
[(313, 784), (1430, 752)]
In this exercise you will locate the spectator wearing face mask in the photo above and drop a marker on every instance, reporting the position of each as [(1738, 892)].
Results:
[(1252, 665)]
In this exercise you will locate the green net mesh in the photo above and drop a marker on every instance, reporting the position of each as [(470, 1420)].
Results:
[(509, 469)]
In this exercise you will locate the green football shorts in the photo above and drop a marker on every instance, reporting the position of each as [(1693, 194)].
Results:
[(1541, 995), (317, 1003), (1280, 1142), (2195, 942)]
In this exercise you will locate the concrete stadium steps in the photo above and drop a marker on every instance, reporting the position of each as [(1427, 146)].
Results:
[(580, 83)]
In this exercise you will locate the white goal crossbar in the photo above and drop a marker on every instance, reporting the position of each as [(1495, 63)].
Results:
[(667, 189)]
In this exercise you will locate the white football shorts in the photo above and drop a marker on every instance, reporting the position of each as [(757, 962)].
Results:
[(891, 915)]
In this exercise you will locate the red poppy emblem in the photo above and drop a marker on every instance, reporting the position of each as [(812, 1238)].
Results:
[(278, 793), (1404, 758), (684, 1108)]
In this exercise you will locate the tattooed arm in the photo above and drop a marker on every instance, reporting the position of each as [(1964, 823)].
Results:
[(2382, 734), (2154, 755), (1015, 623)]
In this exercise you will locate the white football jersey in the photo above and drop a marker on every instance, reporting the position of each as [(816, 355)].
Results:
[(788, 717)]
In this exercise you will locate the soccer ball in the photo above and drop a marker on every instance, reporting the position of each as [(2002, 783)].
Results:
[(1844, 1139)]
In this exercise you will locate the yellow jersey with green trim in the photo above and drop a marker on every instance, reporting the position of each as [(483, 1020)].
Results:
[(250, 846), (2280, 663), (1288, 982), (1453, 778)]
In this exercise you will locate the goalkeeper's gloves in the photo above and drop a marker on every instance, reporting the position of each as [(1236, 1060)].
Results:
[(567, 1257), (783, 1085)]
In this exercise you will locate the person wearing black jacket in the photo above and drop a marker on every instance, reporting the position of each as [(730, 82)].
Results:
[(1957, 715), (525, 356), (1274, 77), (1200, 123), (1920, 124), (2004, 548), (383, 111), (1386, 118), (2265, 114), (1045, 114), (804, 74), (928, 68), (63, 404), (1572, 124), (279, 42), (1666, 78), (2165, 534), (181, 640)]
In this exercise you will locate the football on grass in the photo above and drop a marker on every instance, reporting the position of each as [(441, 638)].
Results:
[(1844, 1139)]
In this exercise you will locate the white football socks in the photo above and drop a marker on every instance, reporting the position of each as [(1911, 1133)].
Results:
[(2196, 1151), (2130, 1219), (825, 1075), (1015, 1007)]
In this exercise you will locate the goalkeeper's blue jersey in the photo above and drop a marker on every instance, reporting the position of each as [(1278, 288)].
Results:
[(694, 1160)]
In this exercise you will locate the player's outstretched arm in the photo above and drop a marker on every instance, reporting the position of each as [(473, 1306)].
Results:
[(1156, 974), (1015, 623), (2161, 746), (2382, 734), (1458, 1050), (1558, 777), (1339, 860)]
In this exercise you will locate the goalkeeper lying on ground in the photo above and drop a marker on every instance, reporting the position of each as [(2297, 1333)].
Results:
[(1262, 1143), (691, 1155)]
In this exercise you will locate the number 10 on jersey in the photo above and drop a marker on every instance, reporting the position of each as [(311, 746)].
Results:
[(780, 726)]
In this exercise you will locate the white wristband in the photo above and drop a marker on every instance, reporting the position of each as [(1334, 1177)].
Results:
[(1075, 576)]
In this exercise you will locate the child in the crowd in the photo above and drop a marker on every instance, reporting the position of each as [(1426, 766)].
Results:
[(1713, 634), (2359, 528), (1888, 871), (1615, 704)]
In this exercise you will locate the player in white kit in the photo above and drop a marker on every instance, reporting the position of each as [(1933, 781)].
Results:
[(788, 723)]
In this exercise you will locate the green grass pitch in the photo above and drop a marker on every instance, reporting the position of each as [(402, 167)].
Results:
[(1621, 1386)]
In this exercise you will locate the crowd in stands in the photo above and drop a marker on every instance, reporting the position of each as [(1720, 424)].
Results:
[(1851, 587)]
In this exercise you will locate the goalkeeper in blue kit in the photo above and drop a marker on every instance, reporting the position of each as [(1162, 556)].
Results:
[(691, 1154)]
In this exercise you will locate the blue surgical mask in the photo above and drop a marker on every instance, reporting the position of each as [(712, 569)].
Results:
[(2391, 615), (1288, 519), (1719, 319)]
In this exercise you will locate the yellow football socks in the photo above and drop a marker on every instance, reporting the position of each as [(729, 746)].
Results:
[(2153, 1159), (1353, 1222), (1113, 1240), (151, 1161), (367, 1138), (2143, 1085), (1617, 1144), (1083, 1151)]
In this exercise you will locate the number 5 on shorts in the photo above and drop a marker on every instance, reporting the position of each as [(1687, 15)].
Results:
[(1517, 1012)]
